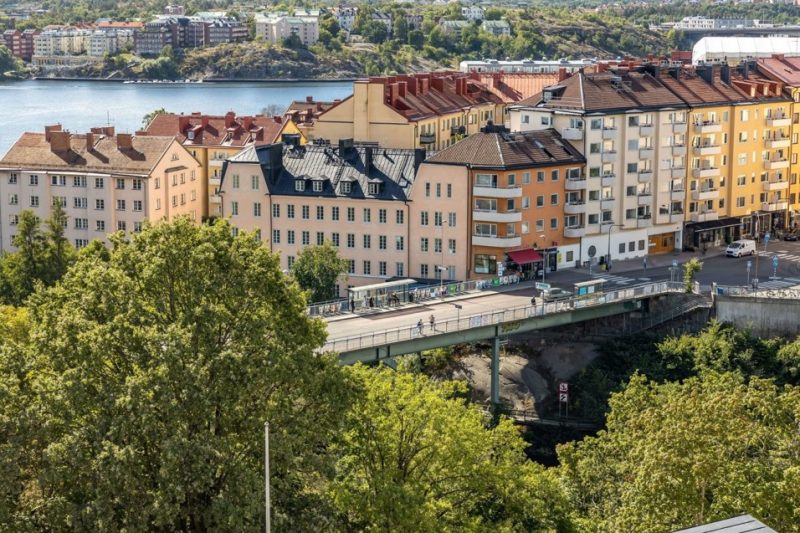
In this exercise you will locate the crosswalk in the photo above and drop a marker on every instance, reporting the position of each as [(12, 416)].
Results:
[(778, 283), (610, 278), (785, 255)]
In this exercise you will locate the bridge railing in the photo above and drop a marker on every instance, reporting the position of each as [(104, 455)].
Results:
[(792, 294), (497, 317)]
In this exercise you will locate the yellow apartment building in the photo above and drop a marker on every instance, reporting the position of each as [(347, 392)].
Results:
[(212, 139)]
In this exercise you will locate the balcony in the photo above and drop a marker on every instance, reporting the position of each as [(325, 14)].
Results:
[(607, 203), (777, 205), (777, 164), (779, 142), (678, 150), (609, 133), (214, 180), (707, 172), (607, 180), (574, 232), (215, 199), (497, 192), (705, 194), (427, 138), (646, 130), (707, 127), (646, 153), (644, 198), (496, 216), (705, 216), (458, 130), (779, 121), (644, 221), (218, 158), (573, 184), (776, 185), (679, 127), (572, 134), (710, 149), (575, 208), (677, 195), (608, 157), (496, 241), (645, 176), (677, 173)]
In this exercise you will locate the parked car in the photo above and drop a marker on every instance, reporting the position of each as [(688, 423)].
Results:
[(790, 236), (554, 294), (740, 248)]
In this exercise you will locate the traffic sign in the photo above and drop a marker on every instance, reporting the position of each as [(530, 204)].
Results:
[(563, 387), (749, 264), (563, 397), (774, 261), (674, 263), (542, 285)]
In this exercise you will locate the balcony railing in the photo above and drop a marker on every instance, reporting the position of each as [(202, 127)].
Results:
[(427, 138), (776, 164), (575, 184), (496, 192), (708, 126)]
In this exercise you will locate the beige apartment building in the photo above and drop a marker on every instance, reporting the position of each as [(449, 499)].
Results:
[(105, 181), (354, 196)]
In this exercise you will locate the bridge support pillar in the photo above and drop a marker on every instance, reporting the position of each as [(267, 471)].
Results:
[(495, 385)]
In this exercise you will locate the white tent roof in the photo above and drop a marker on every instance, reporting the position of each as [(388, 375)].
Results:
[(711, 48)]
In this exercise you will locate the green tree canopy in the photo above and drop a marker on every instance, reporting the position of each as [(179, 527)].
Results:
[(139, 403), (416, 456), (681, 454), (317, 268)]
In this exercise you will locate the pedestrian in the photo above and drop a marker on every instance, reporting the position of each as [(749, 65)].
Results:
[(432, 320), (419, 326), (352, 305), (371, 301), (644, 263)]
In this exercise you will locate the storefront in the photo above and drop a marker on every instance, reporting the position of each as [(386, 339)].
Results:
[(712, 233), (527, 262)]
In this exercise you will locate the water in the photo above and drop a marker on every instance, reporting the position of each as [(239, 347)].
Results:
[(30, 105)]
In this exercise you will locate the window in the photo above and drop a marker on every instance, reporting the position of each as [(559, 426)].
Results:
[(450, 189), (120, 205), (553, 223), (423, 218), (512, 179), (540, 224), (81, 223), (400, 217), (351, 268), (299, 185), (81, 243), (320, 212), (423, 270), (306, 212), (382, 268), (539, 201), (367, 214), (120, 183), (276, 236), (451, 246), (351, 214), (641, 245), (137, 227), (335, 213), (289, 261), (290, 236), (335, 239), (485, 264), (316, 186), (235, 181), (33, 180), (276, 210), (427, 189), (622, 247), (593, 219), (346, 187), (306, 238), (257, 209), (99, 204), (382, 242), (423, 244), (174, 200), (234, 208), (554, 199), (99, 183), (437, 218), (121, 225), (399, 243), (158, 204), (58, 180), (554, 174), (596, 124), (631, 246), (320, 238), (367, 266), (100, 225), (351, 240), (290, 211), (367, 241), (12, 179), (399, 269), (60, 200), (451, 220), (382, 216)]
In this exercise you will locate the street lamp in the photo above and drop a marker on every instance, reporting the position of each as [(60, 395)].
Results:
[(608, 257), (544, 259), (267, 502), (442, 269)]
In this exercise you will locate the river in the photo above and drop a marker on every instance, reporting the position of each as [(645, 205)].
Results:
[(79, 105)]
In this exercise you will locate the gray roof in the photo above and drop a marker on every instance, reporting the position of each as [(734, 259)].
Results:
[(739, 524), (394, 169)]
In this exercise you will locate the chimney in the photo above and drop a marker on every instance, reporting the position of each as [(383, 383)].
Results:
[(319, 106), (438, 84), (725, 74), (89, 142), (277, 119), (204, 122), (345, 148), (705, 72), (183, 124), (309, 99), (271, 158), (425, 86), (124, 141), (48, 130), (59, 141), (419, 157), (562, 74), (230, 119), (97, 131), (367, 160), (247, 123), (401, 89), (108, 131)]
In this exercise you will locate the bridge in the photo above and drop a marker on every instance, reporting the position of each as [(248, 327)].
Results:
[(488, 316)]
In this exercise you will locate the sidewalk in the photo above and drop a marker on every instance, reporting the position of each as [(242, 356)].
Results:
[(658, 261)]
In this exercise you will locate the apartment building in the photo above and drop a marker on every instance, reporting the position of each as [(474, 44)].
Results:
[(432, 110), (628, 126), (345, 16), (473, 12), (497, 198), (354, 196), (20, 43), (212, 139), (105, 181), (175, 31), (496, 27), (276, 27)]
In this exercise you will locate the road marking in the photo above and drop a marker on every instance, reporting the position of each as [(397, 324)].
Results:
[(775, 284), (619, 280)]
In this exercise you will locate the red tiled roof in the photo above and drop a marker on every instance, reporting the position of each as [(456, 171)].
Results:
[(504, 150), (513, 87), (213, 130), (781, 68), (307, 110)]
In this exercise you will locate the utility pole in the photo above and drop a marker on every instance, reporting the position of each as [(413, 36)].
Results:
[(267, 502)]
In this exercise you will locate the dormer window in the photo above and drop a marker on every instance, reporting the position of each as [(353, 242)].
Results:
[(299, 185), (317, 186), (346, 187), (374, 188)]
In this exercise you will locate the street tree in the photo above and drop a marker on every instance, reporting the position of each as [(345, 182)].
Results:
[(317, 268), (142, 395), (686, 453), (690, 270), (416, 456)]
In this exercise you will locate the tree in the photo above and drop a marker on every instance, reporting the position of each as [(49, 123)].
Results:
[(60, 253), (681, 454), (375, 31), (8, 63), (148, 118), (147, 383), (400, 28), (317, 268), (292, 41), (415, 456), (416, 39), (690, 270)]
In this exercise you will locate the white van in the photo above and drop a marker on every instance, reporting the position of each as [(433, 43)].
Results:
[(740, 248)]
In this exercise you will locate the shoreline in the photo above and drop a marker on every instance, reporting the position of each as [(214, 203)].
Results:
[(182, 82)]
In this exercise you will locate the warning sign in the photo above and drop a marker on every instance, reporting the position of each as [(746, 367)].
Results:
[(563, 387), (563, 397)]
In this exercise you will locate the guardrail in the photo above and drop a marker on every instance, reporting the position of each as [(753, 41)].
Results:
[(498, 316), (749, 292)]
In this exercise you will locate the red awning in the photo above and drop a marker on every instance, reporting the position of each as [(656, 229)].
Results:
[(524, 257)]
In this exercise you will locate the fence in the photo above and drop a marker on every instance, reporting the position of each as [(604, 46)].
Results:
[(497, 317), (420, 294), (791, 294)]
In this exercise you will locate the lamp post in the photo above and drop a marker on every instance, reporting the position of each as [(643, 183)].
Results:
[(441, 269), (267, 502), (544, 259), (608, 257)]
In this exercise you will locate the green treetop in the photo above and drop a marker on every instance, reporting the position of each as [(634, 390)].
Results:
[(317, 269)]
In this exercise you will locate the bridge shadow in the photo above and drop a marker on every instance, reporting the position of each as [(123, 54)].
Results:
[(396, 312)]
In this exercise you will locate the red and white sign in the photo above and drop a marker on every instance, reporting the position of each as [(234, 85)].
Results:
[(563, 387)]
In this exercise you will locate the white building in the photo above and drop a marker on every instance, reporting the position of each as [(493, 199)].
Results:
[(473, 12), (735, 49), (695, 23), (275, 27), (525, 65), (345, 16)]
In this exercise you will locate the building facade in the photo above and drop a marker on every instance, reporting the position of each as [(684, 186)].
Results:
[(276, 27), (20, 43), (104, 181)]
